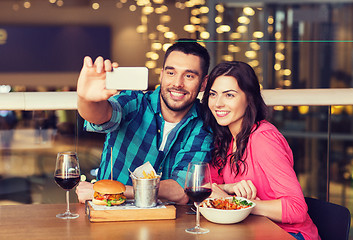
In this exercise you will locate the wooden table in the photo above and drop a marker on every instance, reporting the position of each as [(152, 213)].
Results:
[(39, 222)]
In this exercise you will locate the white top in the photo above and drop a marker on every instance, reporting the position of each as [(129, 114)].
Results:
[(168, 127)]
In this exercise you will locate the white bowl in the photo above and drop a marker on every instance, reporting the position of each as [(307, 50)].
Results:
[(226, 216)]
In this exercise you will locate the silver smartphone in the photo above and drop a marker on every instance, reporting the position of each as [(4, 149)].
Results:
[(127, 78)]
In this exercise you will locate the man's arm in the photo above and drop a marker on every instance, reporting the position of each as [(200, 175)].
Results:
[(168, 189), (92, 98), (171, 190), (84, 191)]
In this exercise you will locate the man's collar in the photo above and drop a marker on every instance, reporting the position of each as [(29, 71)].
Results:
[(155, 100)]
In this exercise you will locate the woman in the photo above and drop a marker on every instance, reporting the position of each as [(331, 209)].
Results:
[(251, 157)]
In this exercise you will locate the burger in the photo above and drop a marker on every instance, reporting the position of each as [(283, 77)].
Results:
[(108, 192)]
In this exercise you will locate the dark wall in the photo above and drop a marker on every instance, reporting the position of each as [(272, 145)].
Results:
[(51, 48)]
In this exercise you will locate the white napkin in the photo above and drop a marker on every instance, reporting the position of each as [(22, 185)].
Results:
[(146, 167)]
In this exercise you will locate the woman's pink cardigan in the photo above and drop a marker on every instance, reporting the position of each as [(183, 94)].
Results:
[(269, 165)]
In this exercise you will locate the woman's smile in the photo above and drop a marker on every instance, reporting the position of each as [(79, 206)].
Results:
[(222, 113)]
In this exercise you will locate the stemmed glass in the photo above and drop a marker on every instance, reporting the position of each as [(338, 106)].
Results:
[(67, 176), (198, 186)]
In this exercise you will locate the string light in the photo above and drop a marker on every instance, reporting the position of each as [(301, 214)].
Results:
[(258, 34), (166, 46), (220, 8), (60, 3), (141, 29), (132, 8), (248, 11), (204, 10), (151, 64), (156, 46), (227, 58), (147, 10), (95, 6), (218, 19), (287, 72), (242, 29), (190, 28), (27, 4), (155, 20), (279, 56), (232, 48), (250, 54), (287, 83), (205, 35), (243, 20), (235, 35), (15, 7)]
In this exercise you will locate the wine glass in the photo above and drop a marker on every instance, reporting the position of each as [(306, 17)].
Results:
[(67, 176), (198, 186)]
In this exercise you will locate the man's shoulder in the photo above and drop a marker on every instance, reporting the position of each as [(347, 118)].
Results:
[(133, 93), (130, 95)]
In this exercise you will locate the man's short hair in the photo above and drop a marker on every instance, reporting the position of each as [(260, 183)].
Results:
[(191, 46)]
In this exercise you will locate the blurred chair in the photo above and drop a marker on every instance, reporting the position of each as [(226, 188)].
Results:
[(15, 189), (333, 221)]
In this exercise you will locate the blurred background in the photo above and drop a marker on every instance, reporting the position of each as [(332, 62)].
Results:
[(291, 45)]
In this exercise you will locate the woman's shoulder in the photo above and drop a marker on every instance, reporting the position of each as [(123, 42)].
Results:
[(268, 131), (265, 126), (270, 139)]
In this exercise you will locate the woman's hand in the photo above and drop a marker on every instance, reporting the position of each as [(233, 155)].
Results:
[(217, 192), (244, 188)]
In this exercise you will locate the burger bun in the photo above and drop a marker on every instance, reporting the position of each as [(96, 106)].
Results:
[(109, 187)]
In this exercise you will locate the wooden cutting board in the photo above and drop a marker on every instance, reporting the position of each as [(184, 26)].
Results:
[(121, 214)]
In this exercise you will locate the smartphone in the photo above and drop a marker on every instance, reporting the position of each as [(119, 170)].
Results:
[(127, 78)]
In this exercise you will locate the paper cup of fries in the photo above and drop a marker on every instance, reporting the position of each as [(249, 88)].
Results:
[(145, 182)]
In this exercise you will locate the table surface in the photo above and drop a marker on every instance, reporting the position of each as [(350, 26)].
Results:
[(40, 222)]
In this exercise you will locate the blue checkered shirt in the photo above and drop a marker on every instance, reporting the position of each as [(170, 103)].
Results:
[(135, 133)]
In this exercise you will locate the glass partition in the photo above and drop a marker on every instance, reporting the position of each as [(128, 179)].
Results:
[(30, 141), (314, 134)]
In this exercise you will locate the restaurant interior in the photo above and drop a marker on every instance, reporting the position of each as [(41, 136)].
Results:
[(302, 44)]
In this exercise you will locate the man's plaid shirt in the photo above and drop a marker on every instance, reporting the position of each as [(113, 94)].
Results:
[(135, 133)]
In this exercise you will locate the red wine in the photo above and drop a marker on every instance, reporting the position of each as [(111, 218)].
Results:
[(198, 194), (67, 182)]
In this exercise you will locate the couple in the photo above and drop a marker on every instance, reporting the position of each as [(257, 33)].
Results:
[(170, 128)]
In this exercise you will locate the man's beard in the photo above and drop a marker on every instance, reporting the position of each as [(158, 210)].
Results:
[(180, 108)]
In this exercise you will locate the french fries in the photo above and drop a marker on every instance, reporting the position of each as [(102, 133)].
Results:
[(151, 175)]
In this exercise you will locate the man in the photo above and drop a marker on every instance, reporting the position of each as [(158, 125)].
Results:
[(163, 127)]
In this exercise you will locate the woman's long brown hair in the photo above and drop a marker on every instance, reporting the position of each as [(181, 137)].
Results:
[(255, 112)]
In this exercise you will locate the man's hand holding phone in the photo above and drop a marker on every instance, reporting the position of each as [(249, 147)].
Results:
[(91, 82), (99, 81)]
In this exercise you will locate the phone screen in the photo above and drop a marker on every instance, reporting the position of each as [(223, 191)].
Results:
[(127, 78)]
